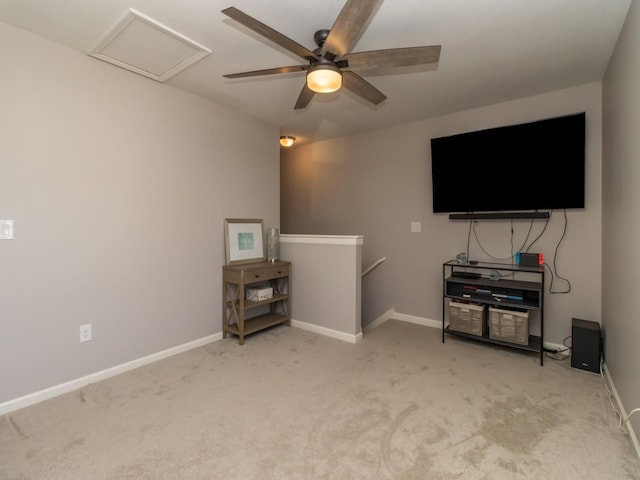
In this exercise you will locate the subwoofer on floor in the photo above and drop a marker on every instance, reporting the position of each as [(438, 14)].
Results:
[(586, 345)]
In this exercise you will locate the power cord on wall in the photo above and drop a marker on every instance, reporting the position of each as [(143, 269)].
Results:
[(472, 227), (625, 419), (555, 255), (544, 229), (621, 420), (553, 269)]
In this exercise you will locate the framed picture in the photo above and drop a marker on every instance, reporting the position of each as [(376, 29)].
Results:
[(243, 240)]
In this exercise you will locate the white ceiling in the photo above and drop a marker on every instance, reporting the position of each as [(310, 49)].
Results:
[(492, 51)]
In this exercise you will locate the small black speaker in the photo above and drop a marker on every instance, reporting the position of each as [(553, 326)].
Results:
[(586, 345)]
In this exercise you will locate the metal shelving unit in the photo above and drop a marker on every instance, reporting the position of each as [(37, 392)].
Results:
[(524, 293)]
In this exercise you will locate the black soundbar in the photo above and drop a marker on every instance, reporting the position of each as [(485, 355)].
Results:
[(497, 215)]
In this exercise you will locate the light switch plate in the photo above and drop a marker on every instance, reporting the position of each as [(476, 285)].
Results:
[(416, 227), (6, 229)]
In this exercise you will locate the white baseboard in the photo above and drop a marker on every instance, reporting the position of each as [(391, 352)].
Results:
[(622, 411), (391, 314), (47, 393), (57, 390), (426, 322), (388, 315), (347, 337)]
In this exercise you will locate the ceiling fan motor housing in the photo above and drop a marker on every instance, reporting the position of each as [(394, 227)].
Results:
[(320, 36), (332, 62)]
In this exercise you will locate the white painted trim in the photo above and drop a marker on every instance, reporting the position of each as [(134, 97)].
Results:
[(388, 315), (391, 314), (425, 322), (622, 411), (56, 390), (374, 265), (349, 240), (132, 17), (328, 332)]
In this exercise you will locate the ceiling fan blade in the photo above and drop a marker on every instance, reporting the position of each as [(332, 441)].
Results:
[(358, 85), (393, 57), (304, 98), (268, 71), (269, 33), (347, 28)]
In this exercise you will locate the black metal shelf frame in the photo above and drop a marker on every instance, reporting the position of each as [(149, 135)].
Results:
[(531, 292)]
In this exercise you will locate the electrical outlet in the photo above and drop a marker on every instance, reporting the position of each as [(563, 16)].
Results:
[(85, 333)]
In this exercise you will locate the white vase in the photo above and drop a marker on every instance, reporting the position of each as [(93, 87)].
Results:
[(273, 244)]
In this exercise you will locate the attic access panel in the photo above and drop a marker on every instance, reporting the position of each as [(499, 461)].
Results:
[(142, 45)]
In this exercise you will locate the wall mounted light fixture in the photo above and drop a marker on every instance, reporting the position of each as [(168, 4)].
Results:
[(286, 141)]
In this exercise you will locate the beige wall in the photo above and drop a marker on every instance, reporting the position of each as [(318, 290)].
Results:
[(376, 184), (621, 214), (118, 186)]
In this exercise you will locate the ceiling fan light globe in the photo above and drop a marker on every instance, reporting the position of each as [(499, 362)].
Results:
[(324, 79)]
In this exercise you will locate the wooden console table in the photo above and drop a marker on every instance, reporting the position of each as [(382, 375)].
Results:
[(235, 306)]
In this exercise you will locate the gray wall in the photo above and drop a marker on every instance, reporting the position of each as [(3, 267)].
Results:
[(327, 278), (118, 186), (376, 184), (621, 214)]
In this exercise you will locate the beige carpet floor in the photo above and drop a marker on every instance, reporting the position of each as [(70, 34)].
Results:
[(291, 404)]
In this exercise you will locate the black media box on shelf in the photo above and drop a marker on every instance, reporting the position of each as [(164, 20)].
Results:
[(586, 345)]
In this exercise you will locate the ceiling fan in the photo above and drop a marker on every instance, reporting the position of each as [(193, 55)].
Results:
[(331, 65)]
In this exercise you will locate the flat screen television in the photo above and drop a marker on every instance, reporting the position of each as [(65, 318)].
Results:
[(531, 166)]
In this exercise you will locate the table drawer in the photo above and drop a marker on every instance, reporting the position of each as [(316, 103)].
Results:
[(277, 272), (256, 275)]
